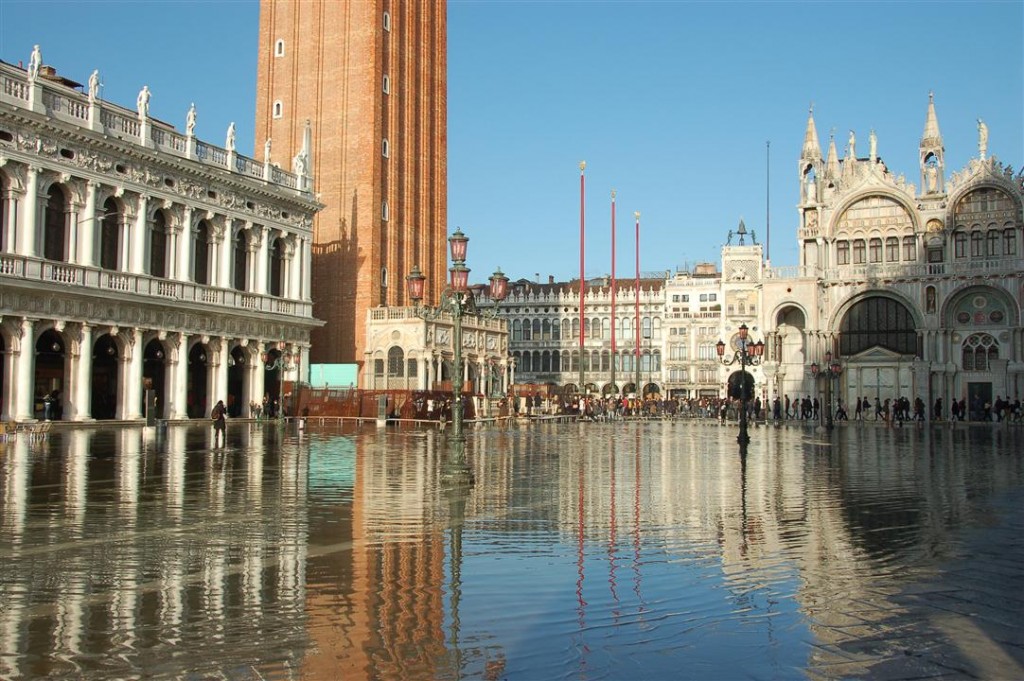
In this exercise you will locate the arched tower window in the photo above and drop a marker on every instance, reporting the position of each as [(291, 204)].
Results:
[(201, 249), (396, 362), (279, 48), (979, 351), (55, 228), (158, 245), (110, 234), (276, 268)]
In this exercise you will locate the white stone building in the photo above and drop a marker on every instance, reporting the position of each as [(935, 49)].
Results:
[(916, 290), (135, 258)]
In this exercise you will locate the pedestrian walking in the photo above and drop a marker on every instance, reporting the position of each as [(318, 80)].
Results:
[(219, 416)]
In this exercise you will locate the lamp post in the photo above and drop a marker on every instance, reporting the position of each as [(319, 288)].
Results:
[(283, 362), (747, 354), (457, 301), (831, 371)]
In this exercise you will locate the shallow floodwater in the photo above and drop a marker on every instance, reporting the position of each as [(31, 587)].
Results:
[(586, 551)]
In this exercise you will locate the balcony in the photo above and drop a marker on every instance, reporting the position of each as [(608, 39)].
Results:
[(36, 273)]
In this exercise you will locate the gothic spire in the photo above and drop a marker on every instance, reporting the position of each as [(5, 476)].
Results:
[(811, 150), (931, 138), (832, 161)]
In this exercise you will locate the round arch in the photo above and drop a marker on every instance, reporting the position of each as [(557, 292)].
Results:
[(877, 321), (840, 210), (989, 305)]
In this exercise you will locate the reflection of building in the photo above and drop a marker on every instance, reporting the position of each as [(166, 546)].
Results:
[(916, 290), (371, 77), (144, 548), (134, 256)]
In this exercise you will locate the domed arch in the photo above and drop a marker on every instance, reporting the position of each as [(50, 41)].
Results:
[(881, 204), (980, 306)]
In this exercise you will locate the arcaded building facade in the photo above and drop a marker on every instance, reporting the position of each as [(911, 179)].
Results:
[(915, 286), (139, 261), (370, 76)]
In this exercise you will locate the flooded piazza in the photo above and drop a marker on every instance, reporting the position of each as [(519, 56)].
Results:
[(627, 550)]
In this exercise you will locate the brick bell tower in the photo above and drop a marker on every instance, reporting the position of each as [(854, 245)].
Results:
[(371, 78)]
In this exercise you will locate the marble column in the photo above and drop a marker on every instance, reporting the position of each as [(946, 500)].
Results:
[(25, 364), (139, 236), (91, 226), (223, 278), (132, 408), (261, 271), (28, 232), (179, 385), (184, 252), (82, 367)]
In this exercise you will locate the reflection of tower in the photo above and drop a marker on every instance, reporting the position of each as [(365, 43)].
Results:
[(371, 78)]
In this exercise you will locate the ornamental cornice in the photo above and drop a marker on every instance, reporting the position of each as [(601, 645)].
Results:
[(115, 313), (103, 159)]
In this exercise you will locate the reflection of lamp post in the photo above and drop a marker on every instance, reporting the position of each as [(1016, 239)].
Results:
[(747, 354), (281, 363), (457, 301), (831, 371)]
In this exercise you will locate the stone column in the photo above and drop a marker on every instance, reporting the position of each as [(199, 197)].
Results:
[(423, 373), (24, 369), (93, 227), (293, 290), (132, 407), (9, 228), (224, 274), (74, 228), (257, 376), (184, 252), (83, 376), (29, 230), (179, 399), (139, 235), (261, 271)]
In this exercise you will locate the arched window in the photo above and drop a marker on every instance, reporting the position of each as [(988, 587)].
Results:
[(387, 84), (556, 361), (387, 21), (536, 329), (110, 235), (278, 108), (527, 365), (875, 250), (279, 48), (385, 214), (527, 330), (993, 243), (556, 330), (859, 252), (158, 245), (545, 361), (566, 329), (55, 229), (595, 328), (959, 245), (979, 351), (241, 258), (606, 360), (517, 329), (385, 149), (576, 329), (201, 250), (843, 252), (977, 244), (546, 330), (909, 249), (881, 322), (1009, 241), (396, 362), (276, 267), (536, 361), (892, 249)]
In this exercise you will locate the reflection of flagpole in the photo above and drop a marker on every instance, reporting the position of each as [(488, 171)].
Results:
[(636, 522), (614, 354), (581, 604), (583, 286), (612, 548)]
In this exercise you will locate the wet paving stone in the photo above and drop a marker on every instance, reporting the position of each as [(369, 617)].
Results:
[(639, 550)]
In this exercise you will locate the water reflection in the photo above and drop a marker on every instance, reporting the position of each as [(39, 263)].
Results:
[(592, 551)]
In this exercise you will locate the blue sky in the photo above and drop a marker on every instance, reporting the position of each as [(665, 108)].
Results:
[(670, 104)]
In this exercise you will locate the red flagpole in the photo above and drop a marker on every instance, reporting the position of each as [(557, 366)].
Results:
[(614, 356), (583, 283), (636, 214)]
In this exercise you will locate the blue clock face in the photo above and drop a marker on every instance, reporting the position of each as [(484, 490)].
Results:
[(735, 344)]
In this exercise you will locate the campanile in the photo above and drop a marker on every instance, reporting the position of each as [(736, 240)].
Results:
[(371, 78)]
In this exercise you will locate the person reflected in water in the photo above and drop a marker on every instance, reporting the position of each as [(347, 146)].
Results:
[(219, 424)]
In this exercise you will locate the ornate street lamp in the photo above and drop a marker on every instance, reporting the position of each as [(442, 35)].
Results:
[(831, 371), (747, 354), (457, 301), (285, 361)]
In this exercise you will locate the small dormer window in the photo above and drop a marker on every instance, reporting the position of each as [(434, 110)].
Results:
[(279, 48), (278, 109)]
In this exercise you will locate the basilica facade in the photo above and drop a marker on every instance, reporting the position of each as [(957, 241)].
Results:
[(914, 289), (142, 270)]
